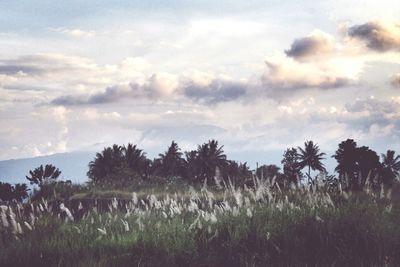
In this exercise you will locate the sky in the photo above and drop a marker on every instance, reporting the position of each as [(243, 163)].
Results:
[(258, 76)]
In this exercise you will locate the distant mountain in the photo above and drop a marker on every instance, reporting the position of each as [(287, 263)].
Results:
[(73, 166)]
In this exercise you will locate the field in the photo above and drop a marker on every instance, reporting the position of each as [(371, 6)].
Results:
[(207, 226)]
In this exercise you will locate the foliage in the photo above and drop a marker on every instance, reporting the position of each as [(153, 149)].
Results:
[(357, 165), (346, 157), (258, 226), (118, 160), (17, 192), (291, 166), (237, 172), (57, 191), (207, 159), (42, 175), (390, 167), (169, 164), (310, 157)]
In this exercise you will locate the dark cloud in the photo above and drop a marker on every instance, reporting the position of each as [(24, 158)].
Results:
[(11, 69), (281, 82), (42, 64), (373, 106), (214, 92), (370, 118), (69, 100), (395, 80), (363, 113), (377, 36), (110, 95), (311, 45)]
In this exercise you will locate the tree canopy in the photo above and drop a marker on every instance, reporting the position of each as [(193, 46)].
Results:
[(311, 157), (42, 175)]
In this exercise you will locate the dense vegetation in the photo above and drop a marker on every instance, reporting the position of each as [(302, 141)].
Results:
[(200, 208), (234, 226), (356, 165)]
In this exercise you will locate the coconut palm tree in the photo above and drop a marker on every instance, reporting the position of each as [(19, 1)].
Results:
[(390, 166), (107, 162), (311, 157), (170, 163), (102, 165), (134, 158), (191, 165), (391, 162), (202, 163), (211, 156)]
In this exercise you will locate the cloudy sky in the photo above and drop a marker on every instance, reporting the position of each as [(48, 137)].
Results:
[(259, 76)]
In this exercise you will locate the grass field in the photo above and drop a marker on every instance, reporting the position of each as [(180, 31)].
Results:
[(207, 227)]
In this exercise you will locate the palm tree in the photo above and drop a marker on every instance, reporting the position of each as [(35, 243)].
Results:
[(134, 157), (42, 175), (102, 165), (202, 163), (391, 162), (107, 162), (211, 157), (311, 157), (390, 166), (191, 165), (346, 156), (170, 163)]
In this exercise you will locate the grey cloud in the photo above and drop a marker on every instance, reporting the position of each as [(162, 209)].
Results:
[(377, 36), (327, 82), (372, 121), (216, 91), (311, 45), (373, 105), (116, 93), (279, 85), (362, 114), (41, 64), (110, 95), (69, 100), (395, 80), (11, 69), (369, 112)]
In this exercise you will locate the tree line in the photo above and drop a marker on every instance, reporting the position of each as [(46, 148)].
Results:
[(356, 166)]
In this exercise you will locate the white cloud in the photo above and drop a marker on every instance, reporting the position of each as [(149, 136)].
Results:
[(199, 76), (74, 32)]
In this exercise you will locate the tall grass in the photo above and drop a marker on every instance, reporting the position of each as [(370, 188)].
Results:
[(233, 226)]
